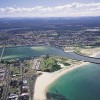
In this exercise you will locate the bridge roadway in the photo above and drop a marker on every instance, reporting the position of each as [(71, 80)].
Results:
[(75, 56)]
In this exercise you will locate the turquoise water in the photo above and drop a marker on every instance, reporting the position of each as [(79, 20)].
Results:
[(80, 84), (29, 51)]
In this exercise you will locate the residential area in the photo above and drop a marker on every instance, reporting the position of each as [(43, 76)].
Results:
[(17, 79)]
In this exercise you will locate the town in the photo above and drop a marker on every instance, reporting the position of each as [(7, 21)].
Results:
[(46, 32), (18, 75), (17, 79), (51, 38)]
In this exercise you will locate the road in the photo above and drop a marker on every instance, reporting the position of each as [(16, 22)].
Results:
[(6, 85), (2, 53), (36, 64), (6, 78)]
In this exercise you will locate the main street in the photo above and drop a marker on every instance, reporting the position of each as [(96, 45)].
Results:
[(6, 84)]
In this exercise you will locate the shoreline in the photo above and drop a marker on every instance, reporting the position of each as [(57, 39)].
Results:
[(43, 81)]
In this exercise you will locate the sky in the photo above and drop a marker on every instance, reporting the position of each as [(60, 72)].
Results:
[(49, 8)]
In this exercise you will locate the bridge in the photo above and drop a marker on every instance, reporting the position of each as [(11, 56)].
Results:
[(2, 53)]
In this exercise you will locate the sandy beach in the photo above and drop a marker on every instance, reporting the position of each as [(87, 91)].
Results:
[(44, 80)]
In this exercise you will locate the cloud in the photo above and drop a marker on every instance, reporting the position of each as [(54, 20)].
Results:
[(73, 9)]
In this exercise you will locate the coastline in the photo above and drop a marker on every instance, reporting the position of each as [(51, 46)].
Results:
[(44, 80)]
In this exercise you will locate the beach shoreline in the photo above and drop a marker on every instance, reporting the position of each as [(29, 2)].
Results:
[(43, 81)]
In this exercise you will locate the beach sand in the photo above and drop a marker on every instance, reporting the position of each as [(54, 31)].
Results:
[(44, 80)]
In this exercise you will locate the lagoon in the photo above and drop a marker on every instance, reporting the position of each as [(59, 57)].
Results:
[(37, 51), (31, 51)]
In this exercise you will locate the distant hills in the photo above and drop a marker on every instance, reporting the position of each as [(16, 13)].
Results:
[(6, 23)]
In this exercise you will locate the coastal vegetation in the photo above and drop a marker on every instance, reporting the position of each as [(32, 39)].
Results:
[(77, 50), (65, 63), (49, 64), (87, 50)]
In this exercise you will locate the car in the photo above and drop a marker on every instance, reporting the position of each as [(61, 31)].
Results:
[(13, 97)]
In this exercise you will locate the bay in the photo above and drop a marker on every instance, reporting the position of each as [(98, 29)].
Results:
[(80, 84)]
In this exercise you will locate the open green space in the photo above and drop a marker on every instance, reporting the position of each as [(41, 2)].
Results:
[(49, 65)]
